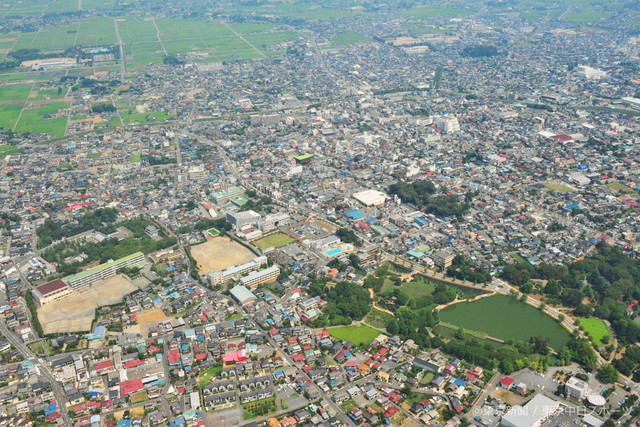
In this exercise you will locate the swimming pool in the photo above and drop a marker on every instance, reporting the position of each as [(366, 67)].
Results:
[(333, 252)]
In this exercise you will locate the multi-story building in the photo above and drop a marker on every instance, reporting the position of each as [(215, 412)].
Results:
[(256, 278), (103, 271), (234, 272)]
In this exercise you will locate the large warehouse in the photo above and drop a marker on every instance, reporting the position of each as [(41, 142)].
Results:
[(370, 197)]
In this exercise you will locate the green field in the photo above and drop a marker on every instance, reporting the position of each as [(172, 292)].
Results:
[(424, 12), (506, 318), (617, 186), (214, 232), (358, 335), (377, 318), (14, 92), (559, 188), (596, 329), (587, 16), (39, 120), (348, 38), (7, 150), (276, 240), (417, 288)]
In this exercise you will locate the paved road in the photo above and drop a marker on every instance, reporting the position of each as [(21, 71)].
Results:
[(44, 370)]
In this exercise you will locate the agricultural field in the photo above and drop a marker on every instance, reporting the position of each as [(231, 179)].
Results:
[(38, 119), (505, 318), (259, 408), (596, 329), (7, 150), (587, 16), (425, 12), (276, 240), (358, 335)]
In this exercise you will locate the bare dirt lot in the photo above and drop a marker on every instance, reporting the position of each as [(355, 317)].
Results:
[(508, 397), (75, 312), (147, 320), (218, 253)]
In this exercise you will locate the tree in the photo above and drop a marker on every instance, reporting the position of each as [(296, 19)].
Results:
[(540, 344), (607, 374)]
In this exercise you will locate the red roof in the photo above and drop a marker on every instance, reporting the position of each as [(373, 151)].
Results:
[(103, 365), (173, 357), (51, 287), (507, 382), (131, 386), (133, 363)]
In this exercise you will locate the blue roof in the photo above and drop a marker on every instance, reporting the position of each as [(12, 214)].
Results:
[(354, 214)]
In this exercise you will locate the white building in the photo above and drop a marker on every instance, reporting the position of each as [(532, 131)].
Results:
[(589, 72), (234, 272), (533, 414), (256, 278), (447, 124), (576, 388), (370, 197)]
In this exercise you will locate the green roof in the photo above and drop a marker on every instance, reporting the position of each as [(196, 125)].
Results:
[(231, 190), (85, 273), (239, 200), (303, 156)]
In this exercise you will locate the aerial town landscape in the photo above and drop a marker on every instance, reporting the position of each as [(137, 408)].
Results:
[(319, 213)]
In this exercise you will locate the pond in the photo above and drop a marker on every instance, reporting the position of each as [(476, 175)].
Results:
[(506, 318)]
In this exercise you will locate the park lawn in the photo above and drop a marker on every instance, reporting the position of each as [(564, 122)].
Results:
[(136, 158), (276, 240), (596, 329), (417, 288), (559, 188), (358, 335)]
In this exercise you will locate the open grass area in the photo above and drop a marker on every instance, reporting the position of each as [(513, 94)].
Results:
[(377, 318), (7, 150), (617, 186), (587, 16), (506, 318), (136, 158), (424, 12), (418, 287), (40, 119), (207, 375), (348, 38), (14, 92), (559, 188), (276, 240), (596, 329), (358, 335)]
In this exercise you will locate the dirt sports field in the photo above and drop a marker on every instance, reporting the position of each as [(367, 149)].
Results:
[(218, 253), (75, 312)]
